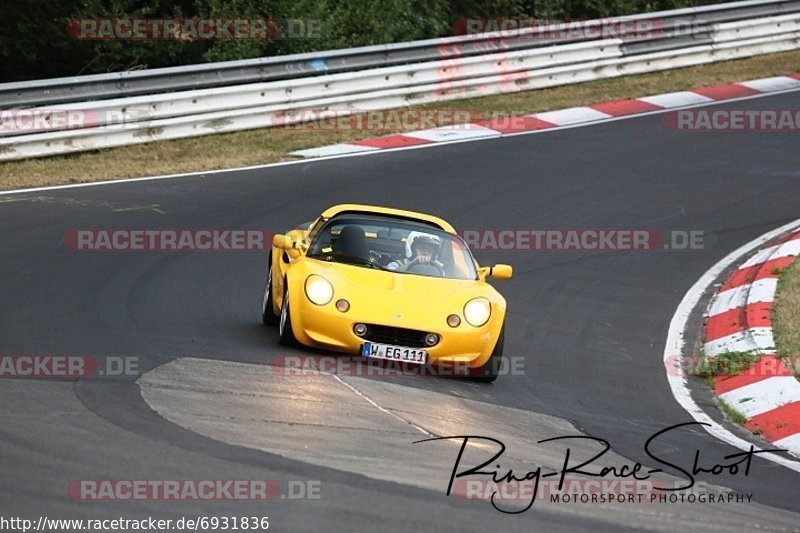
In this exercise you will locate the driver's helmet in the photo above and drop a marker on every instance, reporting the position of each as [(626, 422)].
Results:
[(415, 238)]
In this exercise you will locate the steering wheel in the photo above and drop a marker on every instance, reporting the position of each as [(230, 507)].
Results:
[(415, 266), (378, 257)]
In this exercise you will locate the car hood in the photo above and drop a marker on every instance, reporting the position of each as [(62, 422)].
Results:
[(380, 296), (397, 283), (391, 285)]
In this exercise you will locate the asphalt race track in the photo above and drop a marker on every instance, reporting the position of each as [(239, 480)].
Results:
[(591, 327)]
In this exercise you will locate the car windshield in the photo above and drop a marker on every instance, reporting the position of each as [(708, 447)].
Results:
[(395, 245)]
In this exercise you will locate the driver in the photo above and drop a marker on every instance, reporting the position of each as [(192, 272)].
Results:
[(420, 248)]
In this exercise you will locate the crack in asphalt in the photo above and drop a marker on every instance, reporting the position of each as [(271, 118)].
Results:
[(383, 409)]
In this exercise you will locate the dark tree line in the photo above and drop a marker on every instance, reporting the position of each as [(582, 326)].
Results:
[(36, 44)]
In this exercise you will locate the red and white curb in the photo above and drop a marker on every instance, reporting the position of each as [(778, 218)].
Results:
[(561, 118), (739, 320)]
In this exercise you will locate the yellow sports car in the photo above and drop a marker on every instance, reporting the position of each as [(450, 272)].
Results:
[(388, 284)]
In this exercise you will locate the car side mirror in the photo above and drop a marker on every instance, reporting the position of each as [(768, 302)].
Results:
[(282, 242), (500, 271)]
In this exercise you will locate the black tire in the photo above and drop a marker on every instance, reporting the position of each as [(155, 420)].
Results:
[(490, 370), (285, 323), (268, 316)]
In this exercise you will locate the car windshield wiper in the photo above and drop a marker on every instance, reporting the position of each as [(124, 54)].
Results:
[(354, 259)]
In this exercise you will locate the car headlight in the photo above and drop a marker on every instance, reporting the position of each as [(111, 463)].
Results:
[(477, 311), (318, 289)]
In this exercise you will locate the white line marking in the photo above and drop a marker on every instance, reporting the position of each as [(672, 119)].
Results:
[(675, 345), (385, 150), (759, 340), (572, 115), (762, 290), (678, 99), (762, 396), (778, 83), (334, 149), (774, 252), (792, 442), (453, 133)]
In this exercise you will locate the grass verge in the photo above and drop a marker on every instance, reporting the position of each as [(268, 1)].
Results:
[(274, 144), (731, 412), (724, 364), (786, 317)]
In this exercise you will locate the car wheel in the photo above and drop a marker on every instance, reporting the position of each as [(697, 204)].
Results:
[(490, 370), (268, 315), (285, 323)]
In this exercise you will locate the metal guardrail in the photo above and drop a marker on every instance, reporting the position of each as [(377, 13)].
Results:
[(225, 74), (224, 109), (288, 95)]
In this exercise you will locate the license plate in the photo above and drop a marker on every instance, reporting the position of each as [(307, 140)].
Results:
[(394, 353)]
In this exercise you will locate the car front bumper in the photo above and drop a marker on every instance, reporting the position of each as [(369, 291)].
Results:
[(326, 327)]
